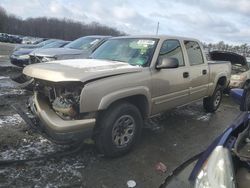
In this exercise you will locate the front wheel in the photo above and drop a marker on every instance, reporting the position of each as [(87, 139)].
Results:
[(118, 129), (212, 103)]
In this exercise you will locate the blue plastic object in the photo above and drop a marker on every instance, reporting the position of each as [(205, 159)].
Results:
[(236, 95)]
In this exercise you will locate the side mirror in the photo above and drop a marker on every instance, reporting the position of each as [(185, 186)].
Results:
[(167, 63)]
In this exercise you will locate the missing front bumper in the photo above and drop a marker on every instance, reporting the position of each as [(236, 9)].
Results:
[(49, 123)]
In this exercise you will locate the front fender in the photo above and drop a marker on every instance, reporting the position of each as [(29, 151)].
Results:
[(101, 100), (107, 100)]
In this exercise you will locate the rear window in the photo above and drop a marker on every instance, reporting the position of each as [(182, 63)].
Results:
[(194, 53)]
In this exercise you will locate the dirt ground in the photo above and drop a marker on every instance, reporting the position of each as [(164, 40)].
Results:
[(183, 132)]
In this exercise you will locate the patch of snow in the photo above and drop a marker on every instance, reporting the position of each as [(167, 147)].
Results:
[(29, 148), (194, 111), (205, 117), (10, 120), (45, 173), (3, 77), (13, 92)]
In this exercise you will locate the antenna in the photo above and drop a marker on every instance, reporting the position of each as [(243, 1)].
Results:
[(157, 28)]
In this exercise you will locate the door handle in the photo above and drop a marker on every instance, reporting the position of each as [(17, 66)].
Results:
[(204, 72), (185, 74)]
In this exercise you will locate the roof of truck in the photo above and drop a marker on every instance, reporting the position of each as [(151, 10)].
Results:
[(97, 36), (163, 37)]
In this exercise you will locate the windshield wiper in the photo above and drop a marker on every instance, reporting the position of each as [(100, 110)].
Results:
[(118, 60)]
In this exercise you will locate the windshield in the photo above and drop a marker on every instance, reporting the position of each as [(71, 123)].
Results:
[(83, 43), (56, 44), (130, 50)]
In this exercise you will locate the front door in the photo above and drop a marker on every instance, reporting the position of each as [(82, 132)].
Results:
[(199, 72), (170, 86)]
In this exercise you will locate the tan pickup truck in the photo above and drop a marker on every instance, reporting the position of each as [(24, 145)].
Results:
[(125, 81)]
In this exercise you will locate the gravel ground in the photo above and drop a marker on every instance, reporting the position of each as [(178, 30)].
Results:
[(183, 132)]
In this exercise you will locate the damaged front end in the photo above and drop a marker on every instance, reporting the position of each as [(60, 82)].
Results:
[(56, 106), (64, 99)]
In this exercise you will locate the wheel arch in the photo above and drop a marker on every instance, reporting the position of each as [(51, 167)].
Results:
[(139, 97), (222, 81)]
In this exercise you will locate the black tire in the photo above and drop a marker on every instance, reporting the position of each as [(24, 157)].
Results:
[(111, 123), (212, 103)]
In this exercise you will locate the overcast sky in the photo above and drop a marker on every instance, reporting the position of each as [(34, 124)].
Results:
[(207, 20)]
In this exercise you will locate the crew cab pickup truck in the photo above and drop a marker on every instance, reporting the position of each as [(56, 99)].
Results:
[(124, 82)]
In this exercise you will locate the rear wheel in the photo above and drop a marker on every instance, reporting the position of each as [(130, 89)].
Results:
[(118, 129), (212, 103)]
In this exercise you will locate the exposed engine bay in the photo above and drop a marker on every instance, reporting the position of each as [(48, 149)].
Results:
[(64, 98), (66, 103)]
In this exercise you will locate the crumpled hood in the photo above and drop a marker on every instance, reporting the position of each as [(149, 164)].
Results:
[(52, 52), (78, 70)]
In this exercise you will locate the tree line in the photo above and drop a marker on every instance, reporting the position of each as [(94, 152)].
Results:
[(52, 27), (69, 30)]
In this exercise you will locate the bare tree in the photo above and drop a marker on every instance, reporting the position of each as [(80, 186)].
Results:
[(52, 27)]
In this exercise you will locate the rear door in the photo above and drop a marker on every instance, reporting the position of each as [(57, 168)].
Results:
[(198, 71), (170, 86)]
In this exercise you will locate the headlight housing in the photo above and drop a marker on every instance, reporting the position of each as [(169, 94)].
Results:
[(24, 56), (217, 171)]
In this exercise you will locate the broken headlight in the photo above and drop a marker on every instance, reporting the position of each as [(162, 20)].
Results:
[(24, 56), (217, 171)]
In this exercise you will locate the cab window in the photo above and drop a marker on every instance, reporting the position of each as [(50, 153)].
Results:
[(194, 53), (172, 49)]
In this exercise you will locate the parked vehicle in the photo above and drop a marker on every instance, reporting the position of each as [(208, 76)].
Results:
[(225, 163), (126, 81), (21, 57), (38, 45), (32, 40), (79, 48), (14, 39), (4, 37), (240, 75)]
